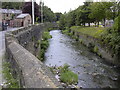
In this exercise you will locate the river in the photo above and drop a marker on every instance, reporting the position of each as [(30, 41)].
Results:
[(91, 69)]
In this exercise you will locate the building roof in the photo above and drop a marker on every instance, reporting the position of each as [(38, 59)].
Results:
[(11, 11), (22, 15)]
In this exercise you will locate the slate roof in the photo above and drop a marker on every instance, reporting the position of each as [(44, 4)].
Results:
[(22, 15), (11, 11)]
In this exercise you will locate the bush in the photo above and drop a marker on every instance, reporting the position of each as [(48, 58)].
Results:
[(117, 24), (44, 44), (64, 68), (68, 76), (112, 38), (46, 36)]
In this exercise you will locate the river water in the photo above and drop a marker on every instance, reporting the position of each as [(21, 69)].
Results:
[(91, 69)]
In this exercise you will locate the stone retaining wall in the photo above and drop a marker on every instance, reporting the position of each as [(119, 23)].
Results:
[(103, 50), (27, 69)]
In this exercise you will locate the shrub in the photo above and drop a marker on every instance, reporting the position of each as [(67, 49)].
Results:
[(44, 44), (112, 37), (67, 76), (64, 68), (117, 24), (46, 36)]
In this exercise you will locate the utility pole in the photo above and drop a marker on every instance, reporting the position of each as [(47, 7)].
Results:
[(33, 16), (41, 5)]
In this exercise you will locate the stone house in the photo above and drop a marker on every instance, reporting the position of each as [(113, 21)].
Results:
[(9, 14), (23, 20)]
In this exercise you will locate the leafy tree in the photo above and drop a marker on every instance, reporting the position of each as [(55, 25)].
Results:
[(71, 17), (101, 11), (82, 14), (12, 5), (58, 16), (62, 23), (27, 8), (48, 14)]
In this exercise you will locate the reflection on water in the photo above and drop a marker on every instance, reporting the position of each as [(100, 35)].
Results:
[(93, 73)]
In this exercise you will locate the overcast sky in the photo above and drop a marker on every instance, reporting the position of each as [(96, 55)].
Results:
[(62, 5)]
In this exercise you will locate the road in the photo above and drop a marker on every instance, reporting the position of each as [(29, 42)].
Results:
[(2, 52)]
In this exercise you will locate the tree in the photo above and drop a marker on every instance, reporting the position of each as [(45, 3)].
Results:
[(58, 16), (48, 15), (101, 11), (62, 23), (12, 5), (27, 8), (82, 14), (71, 17)]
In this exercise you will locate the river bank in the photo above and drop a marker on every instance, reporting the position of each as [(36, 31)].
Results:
[(91, 37), (91, 69)]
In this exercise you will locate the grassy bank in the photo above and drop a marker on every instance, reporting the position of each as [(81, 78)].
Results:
[(95, 32), (90, 31)]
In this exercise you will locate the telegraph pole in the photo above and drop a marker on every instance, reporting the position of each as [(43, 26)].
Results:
[(33, 16), (41, 5)]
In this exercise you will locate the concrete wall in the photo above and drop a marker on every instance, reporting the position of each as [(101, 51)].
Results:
[(27, 69)]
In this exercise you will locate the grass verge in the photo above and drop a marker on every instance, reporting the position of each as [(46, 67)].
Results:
[(90, 31), (11, 82)]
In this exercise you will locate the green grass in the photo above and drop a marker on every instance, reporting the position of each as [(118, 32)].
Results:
[(46, 36), (67, 76), (91, 31), (11, 82)]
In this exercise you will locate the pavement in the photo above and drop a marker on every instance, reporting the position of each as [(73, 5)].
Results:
[(2, 53)]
